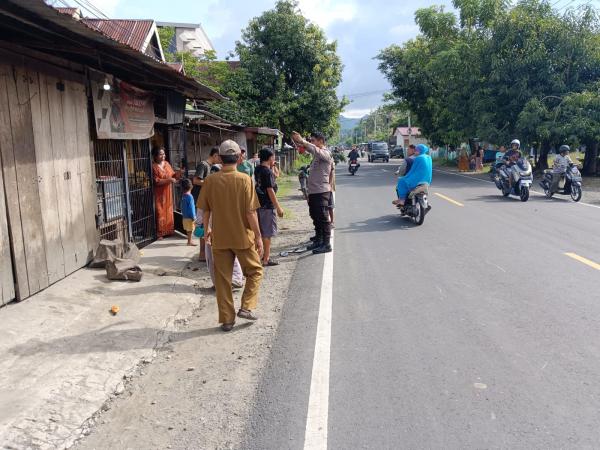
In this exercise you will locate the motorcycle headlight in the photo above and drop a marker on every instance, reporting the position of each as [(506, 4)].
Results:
[(525, 174)]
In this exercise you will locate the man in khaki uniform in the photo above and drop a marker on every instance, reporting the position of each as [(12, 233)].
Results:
[(228, 196)]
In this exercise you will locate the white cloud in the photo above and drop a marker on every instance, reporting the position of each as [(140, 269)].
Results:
[(326, 12), (355, 113)]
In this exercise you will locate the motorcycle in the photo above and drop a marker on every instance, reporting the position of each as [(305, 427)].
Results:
[(417, 204), (303, 179), (572, 183), (353, 167), (520, 174)]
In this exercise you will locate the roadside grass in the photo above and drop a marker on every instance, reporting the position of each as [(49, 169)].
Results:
[(285, 185), (302, 160), (442, 162)]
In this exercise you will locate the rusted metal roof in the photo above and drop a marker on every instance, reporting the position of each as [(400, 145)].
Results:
[(133, 33), (73, 12), (61, 35), (176, 66)]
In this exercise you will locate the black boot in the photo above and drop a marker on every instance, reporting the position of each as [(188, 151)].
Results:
[(315, 244), (325, 248), (316, 240)]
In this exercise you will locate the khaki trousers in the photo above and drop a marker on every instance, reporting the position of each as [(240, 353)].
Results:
[(251, 268)]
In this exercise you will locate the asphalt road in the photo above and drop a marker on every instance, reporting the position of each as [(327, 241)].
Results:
[(475, 330)]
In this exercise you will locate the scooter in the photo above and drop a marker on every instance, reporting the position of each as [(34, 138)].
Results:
[(353, 167), (572, 183), (303, 179), (417, 204), (520, 174)]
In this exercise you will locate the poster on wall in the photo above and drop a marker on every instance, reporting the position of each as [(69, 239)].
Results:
[(123, 112)]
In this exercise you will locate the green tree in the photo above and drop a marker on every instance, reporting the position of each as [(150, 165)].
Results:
[(498, 71), (290, 72)]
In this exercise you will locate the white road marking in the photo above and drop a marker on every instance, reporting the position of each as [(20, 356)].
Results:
[(315, 436), (489, 181)]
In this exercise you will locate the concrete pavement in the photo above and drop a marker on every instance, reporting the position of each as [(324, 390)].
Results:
[(476, 330), (62, 355)]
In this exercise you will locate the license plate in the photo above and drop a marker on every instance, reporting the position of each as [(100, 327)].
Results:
[(353, 165)]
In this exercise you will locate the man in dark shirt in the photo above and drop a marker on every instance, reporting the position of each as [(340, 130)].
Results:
[(202, 171), (266, 188)]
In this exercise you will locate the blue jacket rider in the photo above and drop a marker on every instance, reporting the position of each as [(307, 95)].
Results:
[(420, 173)]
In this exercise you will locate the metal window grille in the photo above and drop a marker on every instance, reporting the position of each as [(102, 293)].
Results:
[(177, 157), (125, 201), (141, 196), (111, 215)]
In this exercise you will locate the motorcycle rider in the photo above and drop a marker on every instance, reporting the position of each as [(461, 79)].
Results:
[(353, 156), (420, 173), (511, 157), (404, 168), (560, 166), (515, 151)]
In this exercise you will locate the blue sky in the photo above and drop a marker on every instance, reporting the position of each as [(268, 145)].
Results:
[(362, 28)]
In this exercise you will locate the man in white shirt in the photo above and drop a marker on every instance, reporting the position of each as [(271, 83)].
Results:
[(560, 166)]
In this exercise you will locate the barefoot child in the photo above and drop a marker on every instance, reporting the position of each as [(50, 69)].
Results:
[(188, 210)]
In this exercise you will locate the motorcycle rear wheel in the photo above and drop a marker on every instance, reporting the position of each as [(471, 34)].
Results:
[(419, 216), (524, 194), (576, 193)]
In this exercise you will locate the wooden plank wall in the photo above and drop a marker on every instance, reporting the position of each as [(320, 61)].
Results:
[(48, 176), (7, 283), (42, 134), (10, 183)]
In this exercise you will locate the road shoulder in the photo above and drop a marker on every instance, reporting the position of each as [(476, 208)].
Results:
[(200, 389)]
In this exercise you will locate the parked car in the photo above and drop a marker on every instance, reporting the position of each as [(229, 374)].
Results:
[(397, 152), (378, 150)]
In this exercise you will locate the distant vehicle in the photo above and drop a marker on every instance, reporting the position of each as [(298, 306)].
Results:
[(378, 150), (397, 152)]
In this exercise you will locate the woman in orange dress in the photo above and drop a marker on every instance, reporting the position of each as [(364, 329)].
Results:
[(164, 177)]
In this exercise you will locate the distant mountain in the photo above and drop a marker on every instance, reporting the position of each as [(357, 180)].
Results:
[(347, 123)]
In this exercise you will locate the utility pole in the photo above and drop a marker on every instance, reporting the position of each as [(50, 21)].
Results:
[(409, 129), (375, 123)]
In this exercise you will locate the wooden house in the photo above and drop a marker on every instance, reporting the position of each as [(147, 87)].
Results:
[(79, 112)]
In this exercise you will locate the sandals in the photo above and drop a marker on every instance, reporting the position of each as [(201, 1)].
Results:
[(270, 263)]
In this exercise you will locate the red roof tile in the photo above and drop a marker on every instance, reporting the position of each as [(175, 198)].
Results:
[(73, 12), (132, 33), (176, 66), (403, 131)]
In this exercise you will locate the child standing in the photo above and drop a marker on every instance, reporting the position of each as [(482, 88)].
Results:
[(188, 210)]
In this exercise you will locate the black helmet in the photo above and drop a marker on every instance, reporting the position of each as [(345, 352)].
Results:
[(564, 148)]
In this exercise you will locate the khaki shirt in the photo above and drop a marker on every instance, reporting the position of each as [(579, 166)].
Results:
[(229, 195), (320, 169)]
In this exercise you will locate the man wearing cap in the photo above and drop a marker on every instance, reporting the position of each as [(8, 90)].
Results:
[(229, 198), (319, 189)]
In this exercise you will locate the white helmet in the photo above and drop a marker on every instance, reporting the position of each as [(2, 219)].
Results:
[(516, 141)]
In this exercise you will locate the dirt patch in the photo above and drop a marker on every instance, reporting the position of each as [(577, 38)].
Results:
[(198, 390)]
